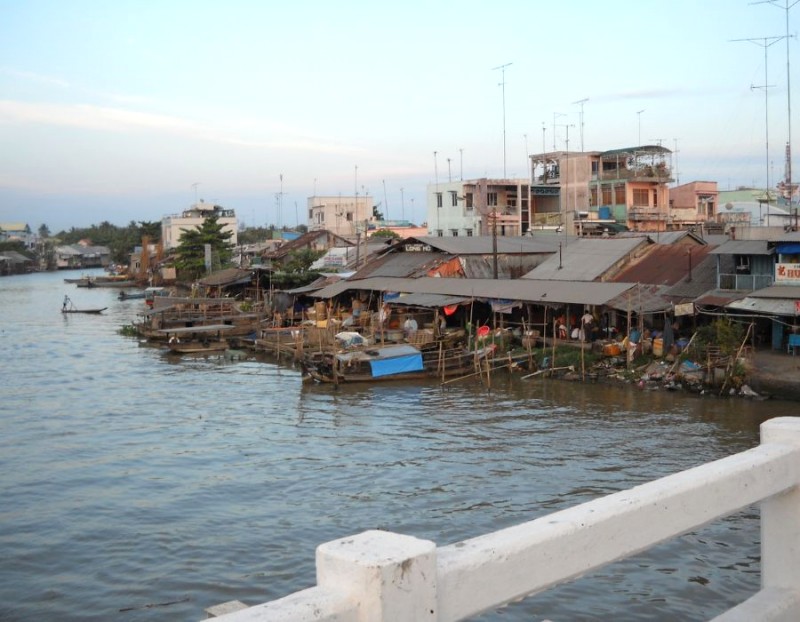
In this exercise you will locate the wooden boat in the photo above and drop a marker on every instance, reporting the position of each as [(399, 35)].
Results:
[(74, 310), (123, 295), (197, 339), (69, 307), (102, 283), (390, 362)]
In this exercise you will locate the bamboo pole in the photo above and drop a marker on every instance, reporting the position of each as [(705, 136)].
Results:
[(732, 363)]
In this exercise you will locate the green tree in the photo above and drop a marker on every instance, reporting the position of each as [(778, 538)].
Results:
[(190, 253), (386, 233), (44, 231), (301, 260)]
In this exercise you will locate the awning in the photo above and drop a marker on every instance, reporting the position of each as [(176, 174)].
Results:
[(769, 306), (428, 300), (788, 248)]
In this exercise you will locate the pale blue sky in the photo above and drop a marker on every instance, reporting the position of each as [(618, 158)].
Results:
[(112, 110)]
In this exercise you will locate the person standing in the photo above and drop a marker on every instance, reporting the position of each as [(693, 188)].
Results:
[(587, 325)]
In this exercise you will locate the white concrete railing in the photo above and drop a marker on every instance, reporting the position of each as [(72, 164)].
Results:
[(381, 576)]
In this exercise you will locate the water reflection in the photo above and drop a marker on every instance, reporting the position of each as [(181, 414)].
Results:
[(165, 479)]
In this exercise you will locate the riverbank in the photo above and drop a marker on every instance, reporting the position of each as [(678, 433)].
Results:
[(776, 374)]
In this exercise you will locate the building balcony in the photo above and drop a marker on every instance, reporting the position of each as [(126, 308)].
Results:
[(658, 174), (745, 282), (647, 213)]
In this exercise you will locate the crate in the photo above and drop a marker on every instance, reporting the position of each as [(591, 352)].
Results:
[(421, 337)]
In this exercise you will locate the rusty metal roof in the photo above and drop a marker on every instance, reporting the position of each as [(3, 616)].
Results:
[(663, 264), (587, 259)]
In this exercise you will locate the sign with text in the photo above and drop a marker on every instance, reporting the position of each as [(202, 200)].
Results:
[(787, 273), (417, 248), (686, 308)]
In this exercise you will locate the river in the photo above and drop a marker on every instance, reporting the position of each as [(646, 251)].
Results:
[(140, 487)]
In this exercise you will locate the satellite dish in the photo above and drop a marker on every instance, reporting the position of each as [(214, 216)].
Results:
[(729, 206)]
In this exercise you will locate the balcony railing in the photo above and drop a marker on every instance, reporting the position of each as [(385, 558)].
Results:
[(379, 576), (745, 282)]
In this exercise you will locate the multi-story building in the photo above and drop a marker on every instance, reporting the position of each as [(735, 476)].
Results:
[(625, 186), (342, 215), (173, 226), (693, 204), (478, 207), (18, 232)]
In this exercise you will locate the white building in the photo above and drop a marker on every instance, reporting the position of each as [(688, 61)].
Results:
[(470, 208), (173, 226), (342, 215)]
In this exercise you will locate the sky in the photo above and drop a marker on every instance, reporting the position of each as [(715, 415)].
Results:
[(125, 111)]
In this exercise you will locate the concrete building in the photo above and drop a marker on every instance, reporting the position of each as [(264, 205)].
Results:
[(471, 208), (693, 204), (18, 232), (624, 186), (342, 215), (173, 226)]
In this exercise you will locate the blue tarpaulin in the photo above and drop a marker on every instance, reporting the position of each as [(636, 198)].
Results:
[(396, 365), (789, 248)]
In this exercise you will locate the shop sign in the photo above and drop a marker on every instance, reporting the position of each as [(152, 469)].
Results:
[(787, 273)]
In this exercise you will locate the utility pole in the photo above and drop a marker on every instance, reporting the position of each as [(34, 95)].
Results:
[(766, 43), (788, 5), (503, 84), (581, 102)]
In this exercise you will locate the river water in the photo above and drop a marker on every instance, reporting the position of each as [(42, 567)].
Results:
[(139, 487)]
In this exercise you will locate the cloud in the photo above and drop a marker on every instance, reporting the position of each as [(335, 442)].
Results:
[(35, 77), (110, 119)]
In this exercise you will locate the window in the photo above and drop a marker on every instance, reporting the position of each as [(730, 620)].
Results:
[(454, 232), (438, 199), (641, 197), (311, 214), (439, 233), (453, 198), (607, 198), (593, 196), (742, 264), (655, 197), (619, 191), (468, 232), (349, 216), (491, 198), (469, 200)]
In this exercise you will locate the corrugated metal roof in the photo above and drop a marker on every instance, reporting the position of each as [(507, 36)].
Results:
[(428, 300), (778, 291), (718, 297), (663, 265), (586, 259), (228, 276), (524, 290), (744, 247), (401, 265), (483, 244), (642, 299), (508, 266), (770, 306), (704, 278)]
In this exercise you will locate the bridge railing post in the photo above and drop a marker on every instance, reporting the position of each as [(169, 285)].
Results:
[(391, 576), (780, 516)]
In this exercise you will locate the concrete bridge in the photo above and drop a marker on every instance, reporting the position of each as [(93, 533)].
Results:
[(379, 576)]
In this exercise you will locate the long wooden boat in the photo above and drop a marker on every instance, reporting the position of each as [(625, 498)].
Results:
[(170, 313), (390, 362), (197, 339), (98, 283), (74, 310)]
